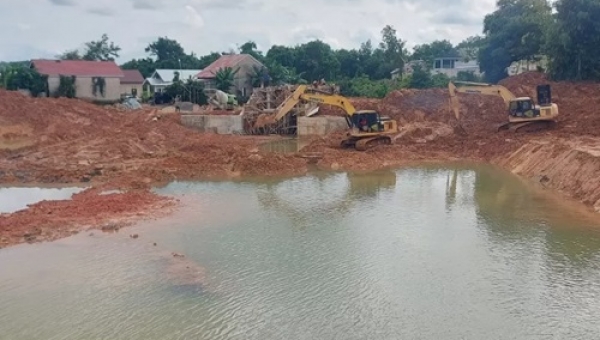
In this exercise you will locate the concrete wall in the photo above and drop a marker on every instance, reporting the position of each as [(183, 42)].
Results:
[(220, 124), (83, 88), (127, 88), (320, 125)]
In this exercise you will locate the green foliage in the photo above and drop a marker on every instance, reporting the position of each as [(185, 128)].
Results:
[(362, 86), (191, 91), (515, 31), (467, 76), (70, 55), (421, 78), (16, 77), (573, 40), (66, 87), (436, 49), (224, 78), (469, 48), (101, 50), (146, 66)]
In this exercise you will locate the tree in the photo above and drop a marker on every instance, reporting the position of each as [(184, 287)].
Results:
[(436, 49), (224, 78), (469, 48), (101, 50), (515, 31), (317, 60), (250, 48), (573, 40), (420, 78), (70, 55), (393, 49), (165, 49), (16, 77), (146, 66)]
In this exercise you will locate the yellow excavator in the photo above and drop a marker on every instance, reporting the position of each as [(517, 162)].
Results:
[(367, 128), (523, 113)]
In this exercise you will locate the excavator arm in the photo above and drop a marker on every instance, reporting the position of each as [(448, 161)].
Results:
[(480, 88), (303, 93)]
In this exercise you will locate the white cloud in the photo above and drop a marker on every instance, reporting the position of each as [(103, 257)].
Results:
[(203, 26)]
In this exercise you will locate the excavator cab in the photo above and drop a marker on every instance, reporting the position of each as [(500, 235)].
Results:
[(523, 107), (369, 119)]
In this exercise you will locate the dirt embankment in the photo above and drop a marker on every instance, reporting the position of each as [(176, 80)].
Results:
[(66, 141), (45, 140), (565, 158)]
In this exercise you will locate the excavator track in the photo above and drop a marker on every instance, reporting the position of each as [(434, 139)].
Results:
[(531, 126), (368, 143), (347, 143)]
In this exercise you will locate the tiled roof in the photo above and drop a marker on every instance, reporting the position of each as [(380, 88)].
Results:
[(78, 68), (230, 60), (132, 77)]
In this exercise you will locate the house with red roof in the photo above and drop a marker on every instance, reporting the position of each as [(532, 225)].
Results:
[(94, 80), (132, 83), (243, 64)]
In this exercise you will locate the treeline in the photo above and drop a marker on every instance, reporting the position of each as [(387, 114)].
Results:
[(530, 30), (518, 30)]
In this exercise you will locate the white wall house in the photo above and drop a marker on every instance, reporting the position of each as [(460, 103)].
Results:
[(450, 66), (163, 78)]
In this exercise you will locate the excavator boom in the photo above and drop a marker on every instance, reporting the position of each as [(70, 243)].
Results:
[(302, 93), (480, 88)]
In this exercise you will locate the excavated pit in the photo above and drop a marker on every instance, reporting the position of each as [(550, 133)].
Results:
[(45, 140)]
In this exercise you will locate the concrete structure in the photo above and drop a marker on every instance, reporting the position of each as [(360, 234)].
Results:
[(214, 123), (132, 83), (86, 74), (163, 78), (320, 125), (521, 66), (244, 64), (450, 66)]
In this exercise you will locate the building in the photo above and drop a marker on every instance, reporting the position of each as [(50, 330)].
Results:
[(450, 66), (408, 68), (244, 64), (517, 67), (94, 80), (163, 78), (132, 83)]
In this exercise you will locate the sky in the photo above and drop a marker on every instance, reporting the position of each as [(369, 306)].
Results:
[(45, 28)]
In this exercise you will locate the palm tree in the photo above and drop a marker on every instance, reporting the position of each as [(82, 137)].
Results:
[(224, 78)]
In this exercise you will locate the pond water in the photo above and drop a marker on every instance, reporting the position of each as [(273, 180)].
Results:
[(14, 198), (421, 253)]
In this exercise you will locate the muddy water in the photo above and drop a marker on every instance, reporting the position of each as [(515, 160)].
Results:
[(427, 253), (14, 199)]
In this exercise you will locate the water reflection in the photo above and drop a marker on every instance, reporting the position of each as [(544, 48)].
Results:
[(325, 193), (325, 256)]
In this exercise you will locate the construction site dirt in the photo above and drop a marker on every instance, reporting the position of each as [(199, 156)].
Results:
[(46, 140)]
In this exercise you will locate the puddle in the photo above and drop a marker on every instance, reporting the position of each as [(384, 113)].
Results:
[(15, 199)]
